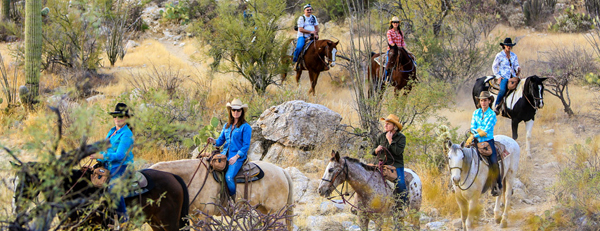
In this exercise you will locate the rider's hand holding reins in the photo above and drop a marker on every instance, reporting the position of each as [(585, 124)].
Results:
[(469, 140), (211, 140), (378, 149)]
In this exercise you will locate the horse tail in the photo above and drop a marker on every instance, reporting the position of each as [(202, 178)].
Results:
[(186, 202), (290, 209)]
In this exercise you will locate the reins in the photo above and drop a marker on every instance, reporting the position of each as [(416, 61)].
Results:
[(208, 171), (398, 64), (468, 173), (201, 163), (85, 169)]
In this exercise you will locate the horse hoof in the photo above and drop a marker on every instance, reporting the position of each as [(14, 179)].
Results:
[(503, 224), (498, 220)]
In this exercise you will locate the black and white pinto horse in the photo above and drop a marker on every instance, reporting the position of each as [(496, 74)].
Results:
[(521, 103)]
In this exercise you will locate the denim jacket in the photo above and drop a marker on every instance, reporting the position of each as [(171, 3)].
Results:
[(237, 143), (120, 151)]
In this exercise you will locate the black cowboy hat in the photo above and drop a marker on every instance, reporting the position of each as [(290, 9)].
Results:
[(121, 109), (508, 42)]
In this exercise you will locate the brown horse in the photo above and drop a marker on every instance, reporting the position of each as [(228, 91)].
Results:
[(402, 66), (270, 194), (319, 56), (164, 206)]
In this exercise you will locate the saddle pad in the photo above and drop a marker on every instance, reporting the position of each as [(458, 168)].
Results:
[(140, 184), (378, 60), (250, 169)]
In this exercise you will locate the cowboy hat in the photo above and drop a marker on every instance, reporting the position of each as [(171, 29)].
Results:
[(121, 109), (393, 119), (508, 42), (395, 19), (485, 95), (237, 104)]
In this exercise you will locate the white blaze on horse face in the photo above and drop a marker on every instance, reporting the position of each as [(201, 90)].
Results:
[(325, 187), (333, 56), (540, 92)]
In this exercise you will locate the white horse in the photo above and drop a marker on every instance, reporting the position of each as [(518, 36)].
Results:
[(469, 174), (374, 195)]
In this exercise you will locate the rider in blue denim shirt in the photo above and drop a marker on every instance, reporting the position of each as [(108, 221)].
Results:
[(119, 156), (235, 139)]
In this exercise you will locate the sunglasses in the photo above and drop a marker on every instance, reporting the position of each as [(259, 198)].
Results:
[(120, 116), (308, 9), (236, 110), (395, 22)]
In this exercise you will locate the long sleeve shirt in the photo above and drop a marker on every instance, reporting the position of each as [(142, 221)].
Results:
[(502, 66), (119, 153), (236, 142), (485, 121), (396, 148), (394, 37)]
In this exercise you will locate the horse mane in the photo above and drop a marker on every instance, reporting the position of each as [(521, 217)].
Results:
[(365, 166)]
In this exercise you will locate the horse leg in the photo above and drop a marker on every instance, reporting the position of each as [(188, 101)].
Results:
[(528, 126), (464, 210), (473, 203), (515, 128), (298, 74), (507, 194), (314, 76), (363, 221)]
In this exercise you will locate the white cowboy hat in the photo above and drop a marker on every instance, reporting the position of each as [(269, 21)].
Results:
[(393, 119), (395, 19), (237, 104)]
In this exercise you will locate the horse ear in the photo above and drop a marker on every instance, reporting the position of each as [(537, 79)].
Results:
[(462, 144), (335, 155), (336, 43), (542, 79), (329, 43), (448, 143)]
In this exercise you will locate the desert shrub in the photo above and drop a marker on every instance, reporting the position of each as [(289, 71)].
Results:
[(71, 37), (578, 187), (571, 22), (163, 78), (241, 216), (176, 12), (10, 31), (537, 10), (593, 7)]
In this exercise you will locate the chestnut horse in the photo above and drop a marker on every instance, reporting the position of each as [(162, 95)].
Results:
[(402, 66), (319, 56)]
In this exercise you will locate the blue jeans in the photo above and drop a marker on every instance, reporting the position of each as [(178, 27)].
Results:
[(232, 170), (401, 185), (494, 162), (299, 46), (502, 91), (121, 209), (387, 59)]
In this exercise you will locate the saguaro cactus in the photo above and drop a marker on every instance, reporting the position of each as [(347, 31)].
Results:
[(5, 9), (33, 48)]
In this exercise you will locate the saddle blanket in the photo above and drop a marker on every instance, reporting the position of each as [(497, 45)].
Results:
[(140, 184), (250, 170)]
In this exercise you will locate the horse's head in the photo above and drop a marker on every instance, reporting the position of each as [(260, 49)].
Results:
[(335, 174), (328, 49), (535, 90), (455, 160)]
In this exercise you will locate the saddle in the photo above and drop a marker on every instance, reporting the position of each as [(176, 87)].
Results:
[(484, 152), (249, 172), (140, 183), (390, 174), (492, 83), (301, 55)]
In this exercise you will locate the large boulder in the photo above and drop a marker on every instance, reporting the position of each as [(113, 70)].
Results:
[(292, 130)]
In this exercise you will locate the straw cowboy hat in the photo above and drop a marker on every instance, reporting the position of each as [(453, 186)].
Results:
[(121, 109), (395, 19), (485, 95), (393, 119), (237, 104), (508, 42)]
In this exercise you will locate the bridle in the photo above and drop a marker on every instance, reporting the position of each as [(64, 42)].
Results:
[(399, 65), (535, 99), (466, 178), (327, 61)]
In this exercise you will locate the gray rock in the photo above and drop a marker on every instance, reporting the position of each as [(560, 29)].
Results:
[(353, 228), (301, 185), (457, 223), (347, 224), (527, 201), (256, 150), (424, 219), (519, 194), (95, 98), (131, 44), (329, 207), (549, 131), (436, 225)]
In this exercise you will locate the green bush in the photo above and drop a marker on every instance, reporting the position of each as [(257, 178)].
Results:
[(592, 78), (571, 22), (176, 13)]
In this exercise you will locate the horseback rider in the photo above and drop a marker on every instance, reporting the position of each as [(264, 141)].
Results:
[(235, 139), (482, 129), (395, 38), (307, 26), (506, 66), (394, 141), (119, 156)]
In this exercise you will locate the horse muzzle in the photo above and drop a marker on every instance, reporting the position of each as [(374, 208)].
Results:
[(324, 192), (455, 179)]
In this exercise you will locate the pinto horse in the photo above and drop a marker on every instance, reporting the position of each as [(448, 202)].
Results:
[(402, 66), (374, 196), (271, 194), (319, 57), (521, 103), (469, 173), (165, 205)]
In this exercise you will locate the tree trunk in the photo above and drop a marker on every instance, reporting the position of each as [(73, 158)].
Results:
[(33, 49)]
